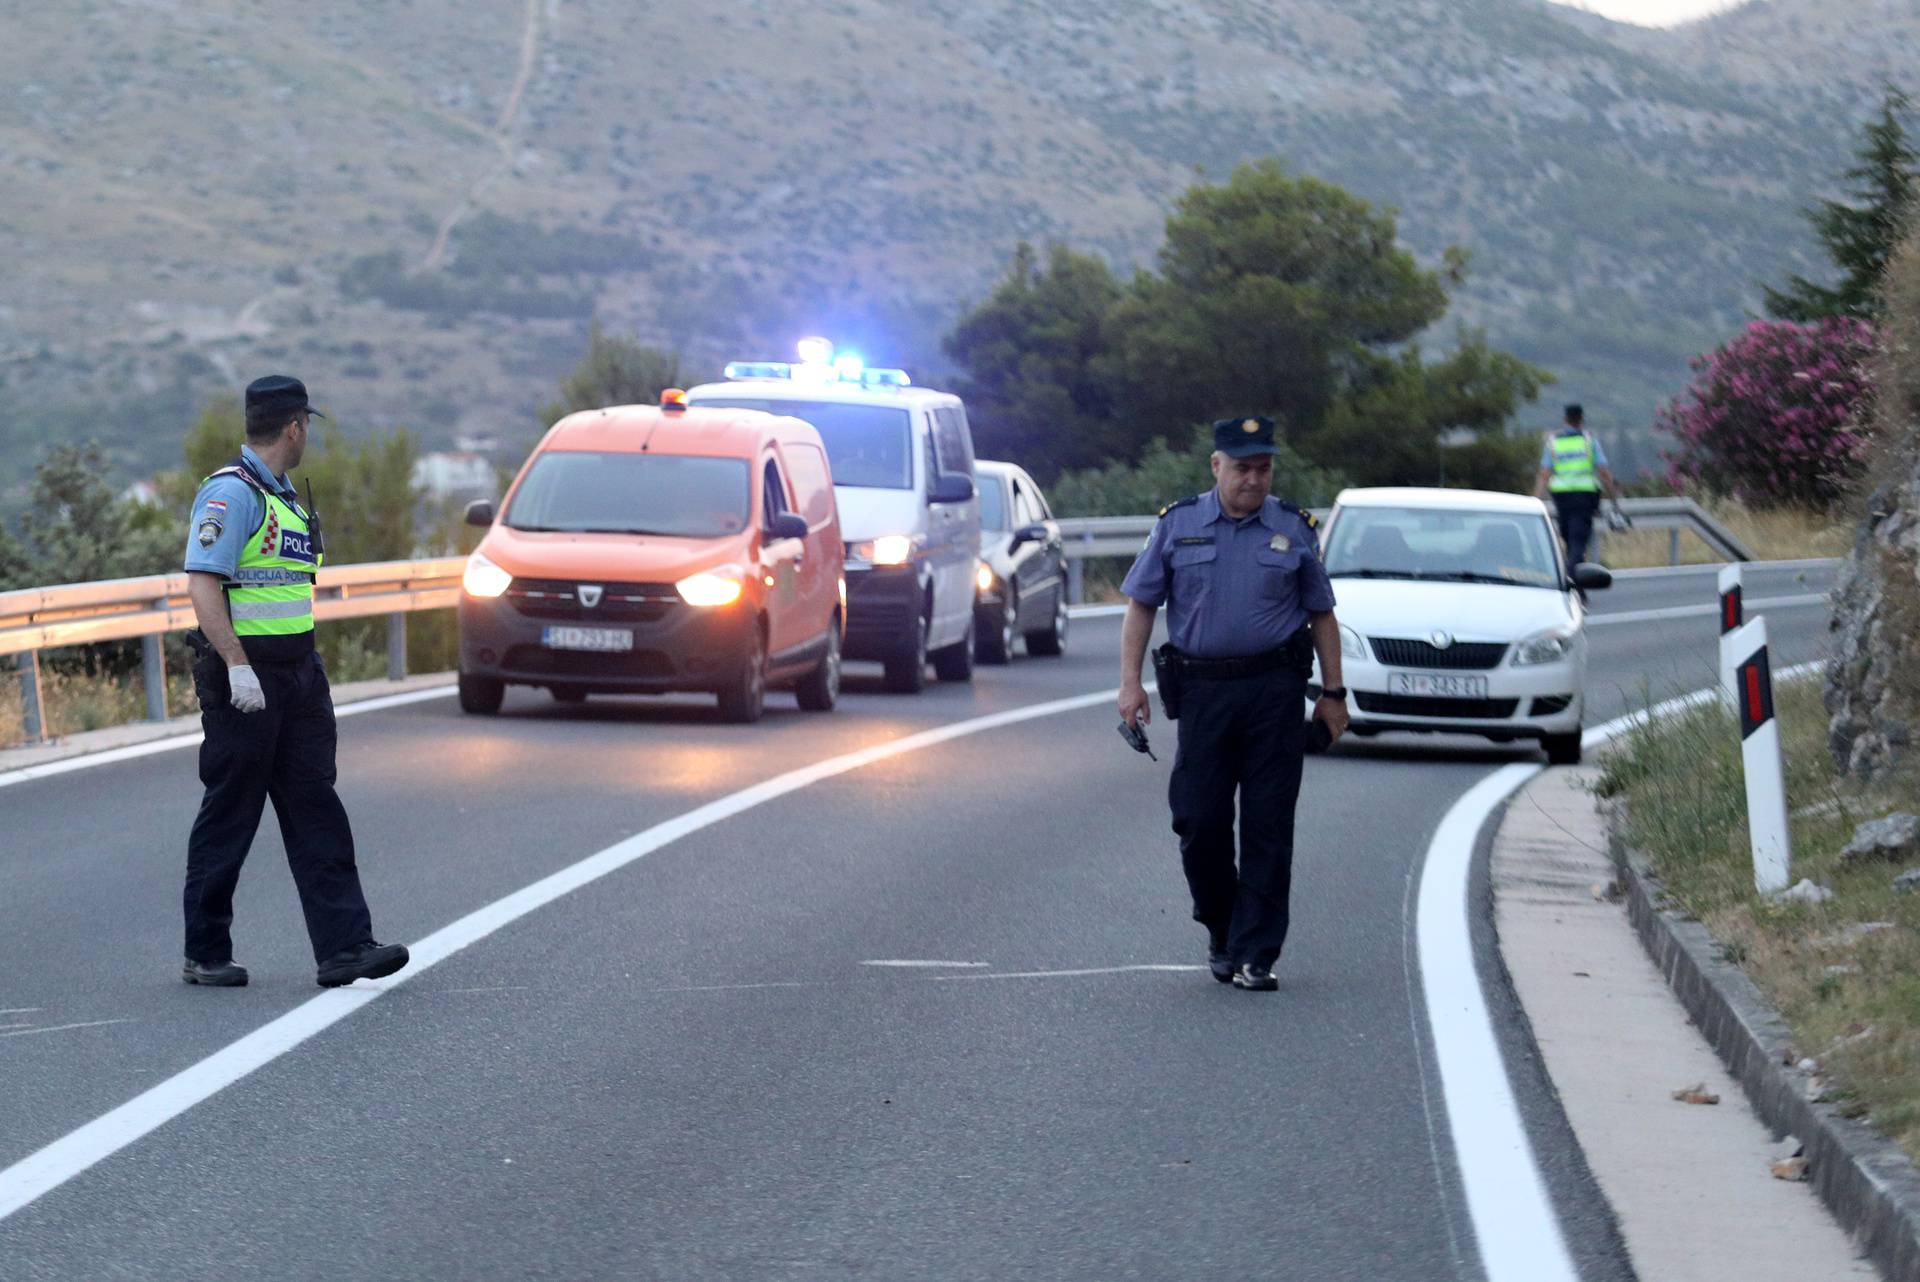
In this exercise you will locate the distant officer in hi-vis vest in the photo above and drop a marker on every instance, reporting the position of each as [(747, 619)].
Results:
[(1573, 469), (252, 552)]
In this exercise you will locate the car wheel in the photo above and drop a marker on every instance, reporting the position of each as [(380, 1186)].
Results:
[(745, 697), (993, 628), (481, 696), (1053, 641), (569, 694), (955, 662), (819, 690), (907, 671), (1562, 749)]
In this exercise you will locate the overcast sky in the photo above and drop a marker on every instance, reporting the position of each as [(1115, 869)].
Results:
[(1654, 13)]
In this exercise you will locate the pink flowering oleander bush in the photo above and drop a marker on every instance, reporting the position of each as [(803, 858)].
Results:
[(1772, 417)]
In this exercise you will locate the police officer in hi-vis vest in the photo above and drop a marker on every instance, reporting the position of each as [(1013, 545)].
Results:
[(252, 551), (1573, 469)]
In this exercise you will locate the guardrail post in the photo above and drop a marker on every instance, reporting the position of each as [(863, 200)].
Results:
[(396, 646), (1673, 546), (29, 669), (153, 675), (1077, 573), (1767, 829)]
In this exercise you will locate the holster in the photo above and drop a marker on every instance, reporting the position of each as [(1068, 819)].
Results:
[(1169, 673), (197, 641)]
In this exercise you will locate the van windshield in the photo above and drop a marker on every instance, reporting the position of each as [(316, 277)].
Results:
[(866, 444), (585, 492)]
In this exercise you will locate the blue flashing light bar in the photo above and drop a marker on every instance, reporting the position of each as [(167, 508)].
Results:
[(758, 369), (846, 368)]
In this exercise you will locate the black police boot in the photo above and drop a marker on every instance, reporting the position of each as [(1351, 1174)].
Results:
[(1255, 979), (225, 974), (1217, 959), (362, 961)]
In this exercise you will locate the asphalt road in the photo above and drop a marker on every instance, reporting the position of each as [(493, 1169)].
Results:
[(690, 1068)]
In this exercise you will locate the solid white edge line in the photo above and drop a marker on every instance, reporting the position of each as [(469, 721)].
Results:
[(47, 1169), (135, 750), (1513, 1218), (1095, 611)]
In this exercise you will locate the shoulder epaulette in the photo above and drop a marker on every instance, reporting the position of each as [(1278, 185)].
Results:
[(1186, 502), (1312, 521), (240, 470)]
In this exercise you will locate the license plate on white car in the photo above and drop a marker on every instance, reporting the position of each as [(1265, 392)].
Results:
[(1437, 685), (602, 639)]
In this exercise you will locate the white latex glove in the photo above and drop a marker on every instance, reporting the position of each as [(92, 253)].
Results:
[(247, 696)]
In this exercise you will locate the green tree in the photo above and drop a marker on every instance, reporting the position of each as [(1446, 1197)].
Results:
[(76, 529), (1166, 471), (614, 371), (1029, 354), (1860, 237)]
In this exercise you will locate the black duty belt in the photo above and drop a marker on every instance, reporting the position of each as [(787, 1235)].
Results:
[(1296, 652)]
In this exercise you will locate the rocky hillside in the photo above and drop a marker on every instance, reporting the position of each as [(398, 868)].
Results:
[(418, 204)]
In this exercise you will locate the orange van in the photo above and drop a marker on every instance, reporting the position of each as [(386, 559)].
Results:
[(643, 550)]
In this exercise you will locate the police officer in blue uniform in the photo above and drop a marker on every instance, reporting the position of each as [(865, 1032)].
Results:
[(265, 706), (1248, 606)]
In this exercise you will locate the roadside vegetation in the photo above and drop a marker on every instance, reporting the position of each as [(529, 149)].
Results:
[(1845, 973)]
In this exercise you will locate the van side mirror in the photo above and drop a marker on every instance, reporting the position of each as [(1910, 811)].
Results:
[(950, 487), (480, 512), (1589, 577), (1035, 533), (787, 525)]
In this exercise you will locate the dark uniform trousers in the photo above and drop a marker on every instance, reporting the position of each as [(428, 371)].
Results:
[(1575, 511), (1244, 734), (284, 752)]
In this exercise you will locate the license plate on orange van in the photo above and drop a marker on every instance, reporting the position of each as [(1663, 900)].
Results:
[(606, 640)]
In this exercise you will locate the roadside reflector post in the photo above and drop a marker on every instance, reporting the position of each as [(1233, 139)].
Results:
[(1760, 759), (1733, 613)]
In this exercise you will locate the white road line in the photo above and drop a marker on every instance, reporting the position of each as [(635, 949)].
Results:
[(1513, 1217), (50, 1167), (1066, 974), (132, 751), (1095, 611), (61, 1028), (931, 965), (1703, 611), (20, 1010)]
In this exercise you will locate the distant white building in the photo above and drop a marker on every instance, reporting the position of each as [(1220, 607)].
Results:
[(142, 492), (460, 474)]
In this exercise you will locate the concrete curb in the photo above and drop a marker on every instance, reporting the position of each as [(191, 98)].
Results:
[(1866, 1180)]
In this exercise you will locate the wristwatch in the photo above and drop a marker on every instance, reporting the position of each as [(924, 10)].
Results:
[(1334, 692)]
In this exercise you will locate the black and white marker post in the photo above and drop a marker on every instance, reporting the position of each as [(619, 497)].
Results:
[(1746, 651), (1732, 615)]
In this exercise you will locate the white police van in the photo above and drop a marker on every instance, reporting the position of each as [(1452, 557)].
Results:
[(903, 478)]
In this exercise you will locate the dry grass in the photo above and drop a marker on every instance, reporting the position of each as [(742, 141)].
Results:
[(1851, 996), (1772, 534)]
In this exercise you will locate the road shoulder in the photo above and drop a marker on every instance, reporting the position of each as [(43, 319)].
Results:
[(137, 733), (1689, 1183)]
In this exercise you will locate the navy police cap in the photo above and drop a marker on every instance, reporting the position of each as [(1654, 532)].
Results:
[(1244, 437), (277, 393)]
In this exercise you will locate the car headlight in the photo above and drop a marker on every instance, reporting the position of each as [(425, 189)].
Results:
[(1351, 646), (1547, 647), (888, 549), (483, 578), (711, 588), (983, 577)]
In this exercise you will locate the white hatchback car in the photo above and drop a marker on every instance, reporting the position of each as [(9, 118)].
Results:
[(1458, 614)]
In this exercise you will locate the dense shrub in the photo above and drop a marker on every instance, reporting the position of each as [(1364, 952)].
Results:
[(1771, 417)]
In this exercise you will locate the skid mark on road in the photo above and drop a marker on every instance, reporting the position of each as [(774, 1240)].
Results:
[(974, 977)]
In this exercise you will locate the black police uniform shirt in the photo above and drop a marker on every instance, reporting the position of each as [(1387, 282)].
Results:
[(1231, 588)]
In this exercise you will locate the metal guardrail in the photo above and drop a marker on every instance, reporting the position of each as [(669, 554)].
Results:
[(36, 619), (1085, 538)]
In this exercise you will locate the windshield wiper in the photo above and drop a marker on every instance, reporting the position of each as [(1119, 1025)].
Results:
[(1430, 576), (1372, 574)]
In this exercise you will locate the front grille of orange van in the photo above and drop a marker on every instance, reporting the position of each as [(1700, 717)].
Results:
[(619, 602)]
